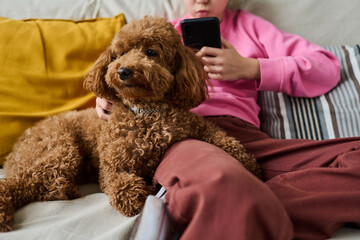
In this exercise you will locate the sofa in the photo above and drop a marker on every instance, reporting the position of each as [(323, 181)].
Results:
[(46, 47)]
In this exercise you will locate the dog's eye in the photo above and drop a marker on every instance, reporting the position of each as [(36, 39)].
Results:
[(113, 59), (151, 53), (123, 53)]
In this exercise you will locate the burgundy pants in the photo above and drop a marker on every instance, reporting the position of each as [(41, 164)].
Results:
[(312, 188)]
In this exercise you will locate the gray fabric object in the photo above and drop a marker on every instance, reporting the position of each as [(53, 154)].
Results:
[(332, 115)]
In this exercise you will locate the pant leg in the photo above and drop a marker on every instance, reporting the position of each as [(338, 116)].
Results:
[(211, 196), (278, 156), (319, 201), (321, 187)]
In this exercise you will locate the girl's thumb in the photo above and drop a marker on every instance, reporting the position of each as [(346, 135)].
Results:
[(225, 43)]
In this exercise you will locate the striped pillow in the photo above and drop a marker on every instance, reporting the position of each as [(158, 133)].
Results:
[(332, 115)]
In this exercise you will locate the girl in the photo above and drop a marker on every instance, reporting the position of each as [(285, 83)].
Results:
[(311, 187)]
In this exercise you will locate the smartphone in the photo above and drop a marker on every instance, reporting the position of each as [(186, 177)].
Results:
[(200, 32)]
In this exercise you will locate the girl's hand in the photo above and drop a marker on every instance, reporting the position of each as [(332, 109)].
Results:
[(227, 64), (103, 108)]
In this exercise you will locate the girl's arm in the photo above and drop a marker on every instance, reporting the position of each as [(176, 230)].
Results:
[(294, 65), (286, 63)]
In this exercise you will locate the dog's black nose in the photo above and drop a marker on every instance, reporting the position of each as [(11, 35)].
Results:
[(124, 73)]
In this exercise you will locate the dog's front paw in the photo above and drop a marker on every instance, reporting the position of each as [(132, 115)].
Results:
[(129, 196)]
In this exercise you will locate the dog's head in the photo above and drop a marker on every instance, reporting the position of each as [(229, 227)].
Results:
[(147, 62)]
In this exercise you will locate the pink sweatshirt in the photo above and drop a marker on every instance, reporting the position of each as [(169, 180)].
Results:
[(288, 64)]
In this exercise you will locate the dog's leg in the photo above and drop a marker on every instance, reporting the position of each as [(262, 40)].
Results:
[(6, 205), (56, 185), (217, 137), (51, 177), (15, 192), (127, 192)]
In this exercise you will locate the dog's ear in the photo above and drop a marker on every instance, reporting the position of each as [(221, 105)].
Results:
[(94, 80), (190, 79)]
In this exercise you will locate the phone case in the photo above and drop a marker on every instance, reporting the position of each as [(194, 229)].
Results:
[(199, 32)]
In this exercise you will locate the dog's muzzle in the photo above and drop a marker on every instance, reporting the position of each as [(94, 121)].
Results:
[(124, 73)]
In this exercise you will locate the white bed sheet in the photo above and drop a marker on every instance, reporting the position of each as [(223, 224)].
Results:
[(88, 217)]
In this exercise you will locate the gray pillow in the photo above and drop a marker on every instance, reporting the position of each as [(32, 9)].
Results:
[(332, 115)]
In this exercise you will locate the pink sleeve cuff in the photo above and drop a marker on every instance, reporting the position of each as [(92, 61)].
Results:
[(271, 74)]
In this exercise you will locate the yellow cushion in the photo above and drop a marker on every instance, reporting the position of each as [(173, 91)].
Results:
[(42, 64)]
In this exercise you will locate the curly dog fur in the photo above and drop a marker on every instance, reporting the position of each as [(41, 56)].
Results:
[(153, 81)]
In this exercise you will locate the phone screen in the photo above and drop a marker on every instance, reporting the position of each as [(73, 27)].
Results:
[(199, 32)]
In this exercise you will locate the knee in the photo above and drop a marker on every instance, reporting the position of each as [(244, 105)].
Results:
[(232, 178), (238, 199), (249, 200)]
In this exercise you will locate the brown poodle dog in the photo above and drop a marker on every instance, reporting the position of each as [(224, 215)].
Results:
[(153, 81)]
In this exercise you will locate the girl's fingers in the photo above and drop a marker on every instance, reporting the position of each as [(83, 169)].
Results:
[(210, 60), (101, 113), (225, 43), (213, 69), (102, 103), (103, 108), (209, 51), (216, 76)]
